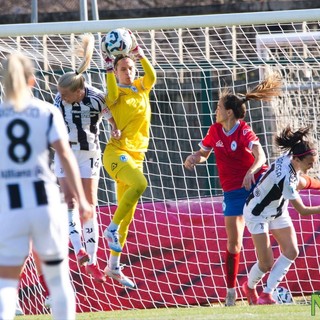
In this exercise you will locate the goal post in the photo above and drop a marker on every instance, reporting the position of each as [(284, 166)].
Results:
[(176, 243)]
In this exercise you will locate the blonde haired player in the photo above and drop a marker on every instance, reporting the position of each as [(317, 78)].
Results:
[(82, 107), (128, 101), (30, 202)]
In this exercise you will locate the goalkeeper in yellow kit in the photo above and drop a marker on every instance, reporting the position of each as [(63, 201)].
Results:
[(128, 100)]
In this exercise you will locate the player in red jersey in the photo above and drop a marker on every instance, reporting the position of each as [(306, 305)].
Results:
[(240, 161)]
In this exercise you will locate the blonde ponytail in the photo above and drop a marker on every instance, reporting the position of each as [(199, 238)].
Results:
[(75, 80)]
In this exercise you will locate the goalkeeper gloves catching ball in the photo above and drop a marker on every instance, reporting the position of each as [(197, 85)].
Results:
[(109, 60), (136, 50)]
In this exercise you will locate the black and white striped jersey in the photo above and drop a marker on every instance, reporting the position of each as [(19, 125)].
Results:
[(277, 186), (83, 119), (25, 137)]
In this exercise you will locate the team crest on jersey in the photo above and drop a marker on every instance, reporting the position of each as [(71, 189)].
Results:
[(257, 192), (123, 158), (234, 145), (113, 165)]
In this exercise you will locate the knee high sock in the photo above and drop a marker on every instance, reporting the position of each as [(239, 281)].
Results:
[(75, 229), (232, 268), (255, 275), (61, 291), (277, 273), (8, 298), (91, 238)]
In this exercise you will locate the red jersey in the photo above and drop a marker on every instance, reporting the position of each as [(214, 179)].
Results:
[(233, 151)]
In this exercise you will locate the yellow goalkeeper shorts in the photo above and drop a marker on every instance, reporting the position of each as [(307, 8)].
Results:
[(115, 159)]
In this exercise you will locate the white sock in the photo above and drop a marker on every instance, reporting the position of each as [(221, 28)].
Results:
[(114, 262), (277, 273), (8, 298), (61, 293), (255, 275), (75, 229), (91, 238)]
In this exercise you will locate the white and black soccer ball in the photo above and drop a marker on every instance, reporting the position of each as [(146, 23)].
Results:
[(117, 41), (282, 295)]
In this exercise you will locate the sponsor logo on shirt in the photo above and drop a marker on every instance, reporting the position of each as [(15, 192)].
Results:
[(234, 145), (219, 144), (113, 166), (245, 131)]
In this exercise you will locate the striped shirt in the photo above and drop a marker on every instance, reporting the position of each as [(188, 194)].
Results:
[(83, 119), (25, 174), (270, 198)]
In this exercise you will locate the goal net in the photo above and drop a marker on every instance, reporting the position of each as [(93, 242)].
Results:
[(176, 243)]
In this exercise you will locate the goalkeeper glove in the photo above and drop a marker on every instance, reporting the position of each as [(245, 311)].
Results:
[(136, 50), (108, 58)]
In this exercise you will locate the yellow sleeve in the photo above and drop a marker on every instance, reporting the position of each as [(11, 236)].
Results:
[(112, 88), (150, 77)]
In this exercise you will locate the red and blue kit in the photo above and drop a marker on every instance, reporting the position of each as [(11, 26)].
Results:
[(233, 152)]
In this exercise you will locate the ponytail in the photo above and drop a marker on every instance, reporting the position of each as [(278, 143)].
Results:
[(266, 91), (296, 142), (75, 80)]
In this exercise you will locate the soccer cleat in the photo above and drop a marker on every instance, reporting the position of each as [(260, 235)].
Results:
[(266, 298), (251, 294), (231, 297), (96, 273), (117, 274), (47, 302), (82, 257), (19, 311), (112, 237)]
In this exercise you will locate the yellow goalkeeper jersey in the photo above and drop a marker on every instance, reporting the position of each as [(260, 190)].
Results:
[(130, 108)]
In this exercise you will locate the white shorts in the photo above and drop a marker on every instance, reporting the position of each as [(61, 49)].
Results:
[(89, 164), (46, 227), (257, 225)]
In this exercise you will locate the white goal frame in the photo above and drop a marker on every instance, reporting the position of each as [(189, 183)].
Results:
[(176, 244)]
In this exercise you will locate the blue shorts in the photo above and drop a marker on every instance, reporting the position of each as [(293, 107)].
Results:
[(233, 202)]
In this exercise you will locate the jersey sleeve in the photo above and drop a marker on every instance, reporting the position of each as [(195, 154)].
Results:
[(57, 128), (207, 142), (112, 88), (249, 137), (290, 189), (149, 78)]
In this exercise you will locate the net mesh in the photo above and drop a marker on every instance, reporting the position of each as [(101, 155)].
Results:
[(176, 244)]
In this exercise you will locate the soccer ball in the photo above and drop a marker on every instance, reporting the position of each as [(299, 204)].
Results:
[(282, 295), (117, 41)]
